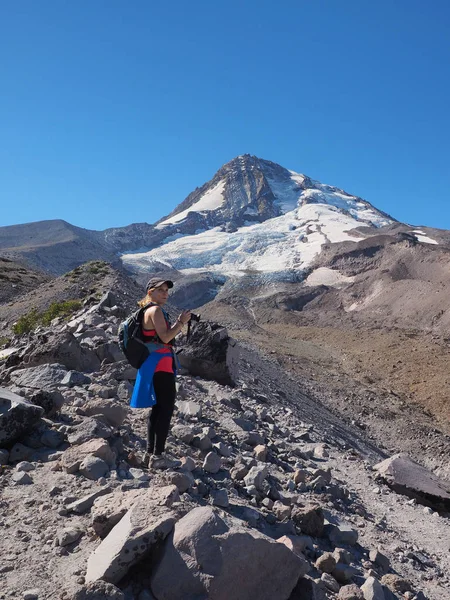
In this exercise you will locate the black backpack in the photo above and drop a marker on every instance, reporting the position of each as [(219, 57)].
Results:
[(130, 338)]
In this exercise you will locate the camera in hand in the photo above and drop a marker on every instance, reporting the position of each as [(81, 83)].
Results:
[(195, 317)]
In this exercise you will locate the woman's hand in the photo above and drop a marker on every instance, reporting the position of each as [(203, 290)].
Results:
[(184, 317)]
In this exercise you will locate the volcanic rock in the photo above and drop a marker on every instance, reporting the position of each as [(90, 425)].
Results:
[(17, 417), (411, 479), (207, 557)]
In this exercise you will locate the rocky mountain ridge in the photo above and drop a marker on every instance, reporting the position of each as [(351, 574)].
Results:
[(261, 475)]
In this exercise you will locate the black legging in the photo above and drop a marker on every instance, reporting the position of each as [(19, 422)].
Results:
[(160, 415)]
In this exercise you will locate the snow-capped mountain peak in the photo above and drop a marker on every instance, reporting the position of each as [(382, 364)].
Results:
[(256, 216)]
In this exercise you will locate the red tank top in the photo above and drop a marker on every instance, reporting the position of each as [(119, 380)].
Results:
[(165, 364)]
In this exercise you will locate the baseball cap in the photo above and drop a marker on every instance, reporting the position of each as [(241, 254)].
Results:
[(155, 282)]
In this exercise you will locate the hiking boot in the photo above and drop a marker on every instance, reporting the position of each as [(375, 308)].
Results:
[(146, 460), (163, 461)]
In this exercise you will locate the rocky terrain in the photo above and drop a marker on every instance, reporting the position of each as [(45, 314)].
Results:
[(18, 279), (272, 493)]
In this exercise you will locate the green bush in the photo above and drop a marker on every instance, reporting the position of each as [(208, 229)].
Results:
[(26, 323), (31, 320), (60, 309)]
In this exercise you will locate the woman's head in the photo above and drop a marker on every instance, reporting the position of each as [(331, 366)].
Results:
[(157, 291)]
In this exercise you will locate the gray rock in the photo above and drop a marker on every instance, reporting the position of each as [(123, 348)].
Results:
[(21, 478), (256, 476), (98, 590), (184, 480), (211, 354), (342, 534), (330, 582), (212, 463), (40, 377), (140, 529), (52, 438), (20, 452), (73, 457), (84, 504), (202, 442), (205, 557), (73, 378), (183, 433), (32, 594), (93, 467), (379, 559), (309, 518), (25, 466), (17, 417), (62, 348), (220, 498), (4, 456), (189, 409), (371, 589), (326, 563), (308, 589), (69, 535), (223, 449), (343, 573), (411, 479), (91, 428), (108, 511), (110, 412), (353, 592), (188, 463)]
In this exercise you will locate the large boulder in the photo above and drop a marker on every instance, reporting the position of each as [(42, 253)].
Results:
[(411, 479), (108, 511), (211, 354), (142, 528), (41, 377), (207, 557), (17, 417), (74, 456), (58, 347), (112, 413)]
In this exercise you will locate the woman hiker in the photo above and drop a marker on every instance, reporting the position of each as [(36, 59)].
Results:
[(156, 377)]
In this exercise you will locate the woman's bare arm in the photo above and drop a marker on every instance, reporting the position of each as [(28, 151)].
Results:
[(154, 319)]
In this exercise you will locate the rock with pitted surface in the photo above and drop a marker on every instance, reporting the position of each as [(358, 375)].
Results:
[(145, 525), (63, 348), (408, 477), (17, 417), (211, 354), (44, 376), (208, 557)]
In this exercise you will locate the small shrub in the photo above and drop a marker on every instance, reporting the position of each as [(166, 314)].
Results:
[(26, 323), (60, 309), (31, 320)]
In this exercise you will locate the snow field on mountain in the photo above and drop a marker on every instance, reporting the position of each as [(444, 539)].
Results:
[(421, 237), (282, 244), (211, 200), (329, 277)]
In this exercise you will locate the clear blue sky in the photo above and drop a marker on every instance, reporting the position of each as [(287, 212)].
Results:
[(111, 112)]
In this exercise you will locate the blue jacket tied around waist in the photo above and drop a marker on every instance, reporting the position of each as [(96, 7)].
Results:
[(144, 393)]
